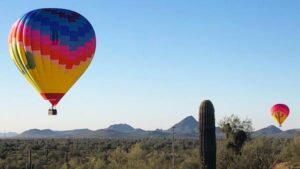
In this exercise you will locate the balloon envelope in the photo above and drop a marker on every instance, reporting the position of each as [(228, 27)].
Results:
[(52, 48), (280, 112)]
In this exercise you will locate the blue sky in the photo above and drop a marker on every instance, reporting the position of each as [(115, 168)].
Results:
[(157, 60)]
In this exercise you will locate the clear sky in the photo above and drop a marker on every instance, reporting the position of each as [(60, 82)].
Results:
[(157, 60)]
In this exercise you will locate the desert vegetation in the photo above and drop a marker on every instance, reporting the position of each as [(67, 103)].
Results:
[(258, 153)]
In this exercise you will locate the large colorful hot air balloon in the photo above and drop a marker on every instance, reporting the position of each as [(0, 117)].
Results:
[(52, 48), (280, 112)]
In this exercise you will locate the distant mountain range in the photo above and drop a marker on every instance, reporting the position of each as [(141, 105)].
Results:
[(8, 134), (186, 128), (273, 131)]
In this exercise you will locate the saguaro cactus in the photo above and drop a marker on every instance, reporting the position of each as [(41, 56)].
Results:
[(207, 135)]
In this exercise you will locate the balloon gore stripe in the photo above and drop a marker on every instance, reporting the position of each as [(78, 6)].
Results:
[(63, 35), (52, 48)]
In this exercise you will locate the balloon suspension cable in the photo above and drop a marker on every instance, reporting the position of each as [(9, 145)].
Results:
[(53, 107)]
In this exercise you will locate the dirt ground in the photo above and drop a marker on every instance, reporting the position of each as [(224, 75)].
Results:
[(285, 166)]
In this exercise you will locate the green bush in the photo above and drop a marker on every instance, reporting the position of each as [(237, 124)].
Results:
[(291, 152), (258, 153)]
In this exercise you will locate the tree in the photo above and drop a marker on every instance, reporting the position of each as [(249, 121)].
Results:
[(233, 124), (236, 130)]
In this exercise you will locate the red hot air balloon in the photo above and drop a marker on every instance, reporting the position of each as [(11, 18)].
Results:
[(280, 112)]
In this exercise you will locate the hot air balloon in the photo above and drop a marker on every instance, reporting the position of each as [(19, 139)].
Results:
[(280, 112), (52, 48)]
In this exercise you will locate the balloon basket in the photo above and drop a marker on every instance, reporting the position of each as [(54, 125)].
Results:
[(52, 112)]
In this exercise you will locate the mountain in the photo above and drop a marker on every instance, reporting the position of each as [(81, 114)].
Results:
[(186, 128), (188, 125), (219, 133), (275, 132), (78, 133), (47, 133), (122, 128), (267, 131), (8, 134), (36, 133), (287, 134), (107, 133)]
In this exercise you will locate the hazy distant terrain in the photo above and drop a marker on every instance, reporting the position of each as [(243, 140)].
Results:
[(186, 128), (8, 134)]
